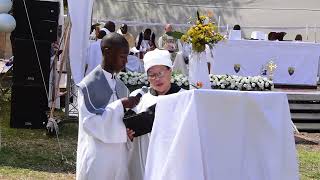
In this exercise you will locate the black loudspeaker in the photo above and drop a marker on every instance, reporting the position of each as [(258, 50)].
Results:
[(26, 69), (29, 103), (43, 16), (29, 106)]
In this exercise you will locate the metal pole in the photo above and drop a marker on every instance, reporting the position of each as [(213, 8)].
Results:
[(68, 88)]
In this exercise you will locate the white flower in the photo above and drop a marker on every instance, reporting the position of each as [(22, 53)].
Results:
[(253, 84), (222, 86), (179, 83), (172, 80), (214, 83), (267, 84)]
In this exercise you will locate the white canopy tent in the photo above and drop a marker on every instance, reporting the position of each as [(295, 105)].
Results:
[(291, 16)]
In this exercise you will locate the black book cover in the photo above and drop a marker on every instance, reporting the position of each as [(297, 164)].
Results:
[(140, 123)]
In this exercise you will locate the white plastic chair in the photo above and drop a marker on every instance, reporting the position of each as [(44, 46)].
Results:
[(235, 35), (134, 64), (259, 35)]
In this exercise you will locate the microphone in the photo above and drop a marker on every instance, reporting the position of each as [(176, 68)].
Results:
[(137, 97), (143, 91)]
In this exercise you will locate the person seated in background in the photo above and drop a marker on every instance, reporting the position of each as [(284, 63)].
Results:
[(298, 37), (235, 33), (94, 31), (94, 56), (109, 27), (152, 42), (166, 41), (128, 36), (237, 27), (281, 35), (272, 36), (158, 66), (145, 42), (134, 64)]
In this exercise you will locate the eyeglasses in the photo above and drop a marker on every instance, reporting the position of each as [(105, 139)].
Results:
[(158, 75)]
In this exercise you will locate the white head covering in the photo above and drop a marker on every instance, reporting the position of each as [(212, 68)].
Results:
[(105, 30), (157, 57)]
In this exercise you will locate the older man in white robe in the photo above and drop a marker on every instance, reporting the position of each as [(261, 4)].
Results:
[(158, 66)]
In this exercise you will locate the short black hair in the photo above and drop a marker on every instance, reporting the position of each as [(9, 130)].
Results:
[(236, 27), (148, 31), (114, 40), (110, 26), (101, 34), (298, 37)]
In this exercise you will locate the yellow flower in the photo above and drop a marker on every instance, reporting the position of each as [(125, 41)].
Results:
[(200, 34)]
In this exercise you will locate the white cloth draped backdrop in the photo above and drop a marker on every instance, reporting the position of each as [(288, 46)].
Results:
[(80, 12)]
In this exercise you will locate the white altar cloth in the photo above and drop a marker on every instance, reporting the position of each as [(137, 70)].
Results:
[(252, 55), (220, 134)]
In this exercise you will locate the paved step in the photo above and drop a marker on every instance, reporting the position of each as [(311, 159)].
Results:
[(308, 126), (306, 117), (304, 107), (303, 97)]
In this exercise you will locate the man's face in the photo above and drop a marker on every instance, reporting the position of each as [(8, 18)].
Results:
[(159, 77), (146, 35), (118, 58), (168, 28)]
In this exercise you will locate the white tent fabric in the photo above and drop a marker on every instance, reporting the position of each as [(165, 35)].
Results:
[(292, 16), (80, 14)]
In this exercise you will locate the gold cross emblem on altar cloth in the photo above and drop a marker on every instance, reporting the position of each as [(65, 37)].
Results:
[(272, 66)]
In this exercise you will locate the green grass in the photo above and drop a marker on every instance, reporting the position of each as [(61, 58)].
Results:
[(309, 163), (31, 154)]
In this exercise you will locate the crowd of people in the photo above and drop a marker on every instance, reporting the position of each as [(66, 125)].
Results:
[(271, 36), (138, 47)]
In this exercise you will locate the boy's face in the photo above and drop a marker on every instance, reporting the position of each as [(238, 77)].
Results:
[(118, 58)]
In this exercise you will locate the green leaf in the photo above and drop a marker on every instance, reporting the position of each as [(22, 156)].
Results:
[(175, 34)]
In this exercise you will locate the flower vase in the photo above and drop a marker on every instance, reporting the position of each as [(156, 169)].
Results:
[(198, 71)]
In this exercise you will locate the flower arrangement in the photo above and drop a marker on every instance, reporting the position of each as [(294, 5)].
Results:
[(202, 33), (231, 82), (180, 80), (135, 80)]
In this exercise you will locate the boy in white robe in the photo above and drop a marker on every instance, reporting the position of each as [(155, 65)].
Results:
[(102, 149), (158, 66)]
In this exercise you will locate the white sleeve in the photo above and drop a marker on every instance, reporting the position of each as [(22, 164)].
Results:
[(108, 127), (160, 42)]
